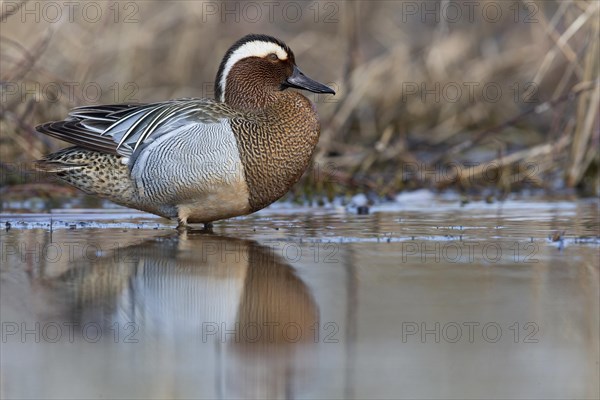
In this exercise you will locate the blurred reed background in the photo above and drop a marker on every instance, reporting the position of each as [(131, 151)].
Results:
[(480, 97)]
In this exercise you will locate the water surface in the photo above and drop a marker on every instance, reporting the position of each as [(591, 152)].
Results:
[(427, 300)]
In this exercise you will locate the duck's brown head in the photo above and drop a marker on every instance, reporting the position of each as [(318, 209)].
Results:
[(255, 69)]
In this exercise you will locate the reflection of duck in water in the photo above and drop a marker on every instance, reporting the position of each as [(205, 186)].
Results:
[(225, 307)]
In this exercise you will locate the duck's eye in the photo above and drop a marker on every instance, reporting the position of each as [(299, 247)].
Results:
[(273, 57)]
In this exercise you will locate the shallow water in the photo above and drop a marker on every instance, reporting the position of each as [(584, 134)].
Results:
[(431, 300)]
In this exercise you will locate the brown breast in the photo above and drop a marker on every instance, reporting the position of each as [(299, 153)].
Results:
[(275, 145)]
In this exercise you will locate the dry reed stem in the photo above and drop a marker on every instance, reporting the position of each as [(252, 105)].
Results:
[(582, 138), (562, 40), (575, 92), (518, 156)]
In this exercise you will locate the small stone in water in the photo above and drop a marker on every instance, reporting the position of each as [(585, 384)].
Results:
[(362, 210)]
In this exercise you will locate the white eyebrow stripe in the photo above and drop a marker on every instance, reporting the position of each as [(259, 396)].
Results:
[(255, 48)]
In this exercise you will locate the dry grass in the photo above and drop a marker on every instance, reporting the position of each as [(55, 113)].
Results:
[(541, 131)]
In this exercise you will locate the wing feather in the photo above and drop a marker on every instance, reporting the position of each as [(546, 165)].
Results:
[(123, 128)]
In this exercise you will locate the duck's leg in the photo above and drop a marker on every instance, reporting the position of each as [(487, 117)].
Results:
[(182, 225)]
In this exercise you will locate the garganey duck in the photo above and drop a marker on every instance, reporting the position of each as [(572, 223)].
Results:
[(198, 160)]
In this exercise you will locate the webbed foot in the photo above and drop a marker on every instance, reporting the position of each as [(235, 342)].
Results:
[(183, 226)]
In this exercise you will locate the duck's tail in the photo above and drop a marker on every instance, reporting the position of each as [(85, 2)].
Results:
[(93, 172), (58, 162)]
